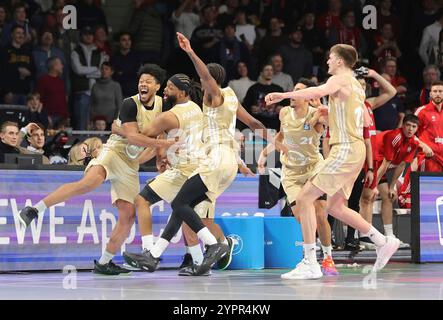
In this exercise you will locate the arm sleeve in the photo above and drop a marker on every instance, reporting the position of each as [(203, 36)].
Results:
[(128, 111)]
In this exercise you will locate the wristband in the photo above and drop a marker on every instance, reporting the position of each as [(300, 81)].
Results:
[(24, 131), (371, 169)]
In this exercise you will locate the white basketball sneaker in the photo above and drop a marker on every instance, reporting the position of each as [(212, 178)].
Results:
[(385, 252), (304, 271)]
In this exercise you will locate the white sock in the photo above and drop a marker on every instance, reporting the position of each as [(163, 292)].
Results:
[(363, 235), (310, 252), (106, 257), (206, 237), (159, 247), (197, 254), (225, 241), (376, 237), (148, 242), (388, 230), (40, 206), (327, 251), (187, 250)]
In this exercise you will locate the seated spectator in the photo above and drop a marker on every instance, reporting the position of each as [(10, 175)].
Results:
[(53, 93), (244, 31), (99, 123), (3, 15), (296, 58), (431, 74), (50, 20), (184, 18), (331, 19), (86, 60), (17, 68), (8, 139), (280, 78), (19, 20), (231, 51), (429, 41), (385, 44), (101, 41), (313, 38), (273, 40), (90, 15), (385, 15), (390, 115), (206, 36), (241, 85), (43, 52), (35, 113), (106, 95), (36, 139), (348, 33), (389, 66), (126, 63), (255, 104)]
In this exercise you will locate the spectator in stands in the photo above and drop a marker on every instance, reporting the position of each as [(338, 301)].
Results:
[(390, 115), (95, 145), (429, 41), (78, 154), (255, 104), (244, 31), (47, 50), (17, 67), (3, 15), (431, 74), (35, 113), (296, 58), (86, 60), (148, 31), (36, 140), (99, 123), (184, 18), (280, 78), (389, 66), (348, 33), (126, 63), (226, 13), (273, 40), (385, 44), (385, 15), (242, 84), (313, 38), (8, 139), (231, 51), (50, 20), (330, 19), (101, 40), (206, 37), (52, 91), (19, 19), (90, 15), (106, 95)]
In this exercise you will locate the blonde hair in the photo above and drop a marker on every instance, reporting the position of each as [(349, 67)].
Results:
[(94, 146), (347, 53), (75, 155)]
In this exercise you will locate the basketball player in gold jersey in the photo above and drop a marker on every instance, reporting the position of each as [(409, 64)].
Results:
[(215, 172), (117, 162), (346, 118), (301, 133)]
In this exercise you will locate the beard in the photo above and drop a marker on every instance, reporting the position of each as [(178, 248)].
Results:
[(437, 100), (169, 102)]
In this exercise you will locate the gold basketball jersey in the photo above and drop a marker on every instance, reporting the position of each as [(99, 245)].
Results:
[(219, 123), (346, 117), (302, 139), (120, 145), (186, 158)]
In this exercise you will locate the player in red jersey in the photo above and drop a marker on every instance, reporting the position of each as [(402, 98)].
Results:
[(395, 148)]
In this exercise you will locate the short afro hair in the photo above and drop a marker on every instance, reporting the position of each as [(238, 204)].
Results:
[(154, 70)]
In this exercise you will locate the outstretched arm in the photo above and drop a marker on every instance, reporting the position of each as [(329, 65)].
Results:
[(330, 87), (208, 82)]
